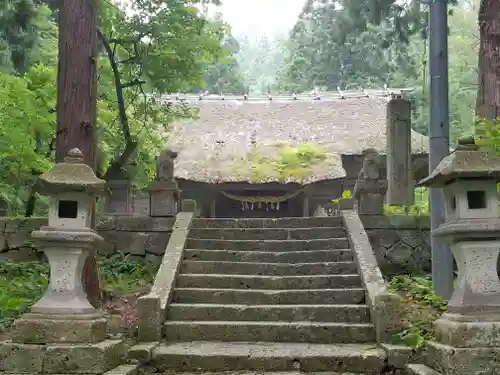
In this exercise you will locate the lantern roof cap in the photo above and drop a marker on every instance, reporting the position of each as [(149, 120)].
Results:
[(72, 175), (466, 162)]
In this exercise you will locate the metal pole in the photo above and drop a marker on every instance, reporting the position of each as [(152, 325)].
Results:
[(439, 131)]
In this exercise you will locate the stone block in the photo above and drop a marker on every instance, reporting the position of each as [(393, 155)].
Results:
[(17, 239), (124, 370), (374, 221), (84, 358), (142, 352), (144, 224), (106, 223), (468, 334), (383, 237), (157, 243), (449, 360), (108, 246), (188, 205), (34, 329), (346, 203), (132, 243), (3, 243), (153, 259), (163, 203), (24, 225), (21, 358), (3, 223), (24, 254), (149, 315), (398, 356)]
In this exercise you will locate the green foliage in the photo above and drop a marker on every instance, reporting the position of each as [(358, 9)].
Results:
[(345, 194), (289, 162), (22, 284), (121, 275), (260, 59), (334, 45), (222, 74), (161, 48), (488, 133), (421, 308), (298, 161), (25, 126), (420, 208)]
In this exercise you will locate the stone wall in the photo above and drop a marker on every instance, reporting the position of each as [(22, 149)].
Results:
[(140, 236), (400, 242), (15, 240)]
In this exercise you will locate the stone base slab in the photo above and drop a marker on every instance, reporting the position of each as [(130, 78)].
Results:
[(417, 369), (62, 358), (40, 329), (398, 356), (449, 360), (463, 334), (120, 370)]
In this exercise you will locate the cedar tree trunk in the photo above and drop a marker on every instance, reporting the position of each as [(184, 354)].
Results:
[(488, 96), (76, 100)]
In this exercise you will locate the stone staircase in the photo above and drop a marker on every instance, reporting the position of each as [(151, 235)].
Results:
[(268, 295)]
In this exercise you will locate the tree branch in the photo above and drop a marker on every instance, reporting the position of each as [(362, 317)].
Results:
[(118, 86), (135, 82), (130, 145)]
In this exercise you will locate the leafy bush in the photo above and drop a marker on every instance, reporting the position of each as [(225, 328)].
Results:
[(420, 208), (345, 194), (421, 308), (21, 285), (122, 275)]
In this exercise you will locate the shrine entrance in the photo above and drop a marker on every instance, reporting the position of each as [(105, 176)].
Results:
[(258, 204)]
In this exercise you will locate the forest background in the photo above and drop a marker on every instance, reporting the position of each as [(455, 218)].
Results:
[(181, 46)]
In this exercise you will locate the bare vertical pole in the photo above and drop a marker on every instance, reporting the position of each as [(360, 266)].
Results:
[(442, 259)]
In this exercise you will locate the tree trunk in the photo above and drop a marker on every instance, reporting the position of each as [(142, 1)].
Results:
[(76, 99), (488, 96)]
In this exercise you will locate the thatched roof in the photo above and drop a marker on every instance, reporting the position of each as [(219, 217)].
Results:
[(210, 146)]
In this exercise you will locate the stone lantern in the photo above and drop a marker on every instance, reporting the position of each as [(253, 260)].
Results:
[(468, 332), (67, 241)]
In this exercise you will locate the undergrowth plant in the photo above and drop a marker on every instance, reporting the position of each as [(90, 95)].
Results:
[(22, 284), (419, 208), (421, 308), (122, 275)]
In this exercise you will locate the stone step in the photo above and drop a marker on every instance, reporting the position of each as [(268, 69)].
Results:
[(269, 245), (311, 332), (267, 233), (354, 296), (288, 222), (261, 373), (274, 269), (267, 282), (270, 356), (124, 370), (269, 257), (418, 369), (267, 313)]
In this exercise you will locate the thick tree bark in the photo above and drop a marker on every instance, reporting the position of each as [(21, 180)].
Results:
[(76, 99), (488, 96)]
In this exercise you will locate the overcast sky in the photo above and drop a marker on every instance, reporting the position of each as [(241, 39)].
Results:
[(258, 17)]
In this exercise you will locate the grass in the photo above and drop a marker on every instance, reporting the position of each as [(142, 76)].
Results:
[(421, 308), (22, 284)]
